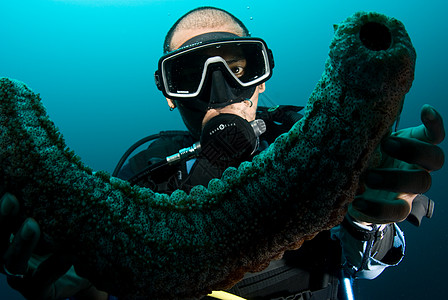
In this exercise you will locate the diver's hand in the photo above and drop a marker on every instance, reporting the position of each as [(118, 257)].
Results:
[(408, 157), (33, 277)]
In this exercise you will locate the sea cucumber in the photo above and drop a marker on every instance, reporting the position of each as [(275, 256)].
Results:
[(133, 242)]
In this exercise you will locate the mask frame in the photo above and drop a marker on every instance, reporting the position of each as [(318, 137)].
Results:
[(165, 74)]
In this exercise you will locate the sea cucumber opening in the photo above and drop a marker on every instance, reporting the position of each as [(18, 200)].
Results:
[(375, 36)]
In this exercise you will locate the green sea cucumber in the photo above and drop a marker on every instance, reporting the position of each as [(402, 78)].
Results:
[(133, 242)]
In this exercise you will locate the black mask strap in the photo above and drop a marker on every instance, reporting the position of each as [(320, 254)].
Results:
[(207, 37)]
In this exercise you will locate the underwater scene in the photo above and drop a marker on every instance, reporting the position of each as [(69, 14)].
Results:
[(93, 64)]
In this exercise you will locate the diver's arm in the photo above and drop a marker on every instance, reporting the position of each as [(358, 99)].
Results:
[(408, 157), (49, 276)]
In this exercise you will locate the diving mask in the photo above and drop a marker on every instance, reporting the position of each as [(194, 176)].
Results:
[(245, 62)]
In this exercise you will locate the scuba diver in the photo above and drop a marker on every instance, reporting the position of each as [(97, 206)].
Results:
[(213, 72)]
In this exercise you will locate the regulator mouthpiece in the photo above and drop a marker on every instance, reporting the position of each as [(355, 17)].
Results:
[(228, 139)]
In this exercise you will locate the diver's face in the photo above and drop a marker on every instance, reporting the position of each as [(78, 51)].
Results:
[(245, 109)]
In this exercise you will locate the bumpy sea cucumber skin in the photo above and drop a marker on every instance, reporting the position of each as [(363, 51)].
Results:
[(133, 242)]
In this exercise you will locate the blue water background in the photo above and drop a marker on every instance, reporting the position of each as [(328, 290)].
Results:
[(93, 64)]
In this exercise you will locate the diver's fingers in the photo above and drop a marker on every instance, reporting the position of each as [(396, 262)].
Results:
[(19, 252), (413, 151), (9, 208), (432, 130), (40, 283), (398, 180), (52, 269), (380, 207)]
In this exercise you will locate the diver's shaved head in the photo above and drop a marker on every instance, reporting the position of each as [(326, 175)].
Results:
[(203, 18)]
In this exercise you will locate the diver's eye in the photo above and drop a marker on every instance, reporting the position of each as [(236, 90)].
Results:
[(237, 65), (238, 71)]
